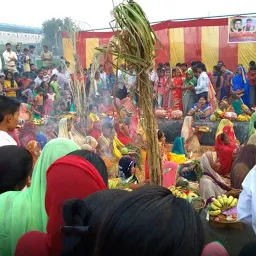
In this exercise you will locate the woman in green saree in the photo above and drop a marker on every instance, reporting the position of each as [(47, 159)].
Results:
[(22, 211), (188, 96)]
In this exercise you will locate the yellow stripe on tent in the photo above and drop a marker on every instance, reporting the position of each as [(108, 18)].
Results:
[(210, 46), (91, 44), (176, 39), (246, 53), (68, 50)]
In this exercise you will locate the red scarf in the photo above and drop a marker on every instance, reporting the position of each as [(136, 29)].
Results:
[(66, 179)]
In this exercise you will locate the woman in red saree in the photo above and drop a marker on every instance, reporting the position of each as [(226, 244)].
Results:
[(176, 85), (224, 147), (123, 133)]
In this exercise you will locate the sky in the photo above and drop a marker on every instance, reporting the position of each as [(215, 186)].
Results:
[(97, 13)]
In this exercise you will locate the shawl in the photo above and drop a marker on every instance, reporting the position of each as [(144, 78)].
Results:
[(23, 211), (210, 187), (63, 128), (178, 146), (222, 124), (251, 125), (187, 131), (61, 186)]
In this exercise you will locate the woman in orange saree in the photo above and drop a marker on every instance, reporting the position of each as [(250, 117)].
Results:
[(176, 85)]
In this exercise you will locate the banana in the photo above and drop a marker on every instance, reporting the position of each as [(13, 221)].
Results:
[(214, 207), (215, 213), (220, 199), (233, 203), (216, 202), (225, 200), (230, 199)]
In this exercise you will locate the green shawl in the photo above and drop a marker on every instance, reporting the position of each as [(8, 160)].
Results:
[(23, 211), (192, 81), (251, 126)]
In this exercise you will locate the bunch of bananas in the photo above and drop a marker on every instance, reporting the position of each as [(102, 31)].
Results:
[(222, 203), (68, 116), (178, 192), (38, 121), (243, 118)]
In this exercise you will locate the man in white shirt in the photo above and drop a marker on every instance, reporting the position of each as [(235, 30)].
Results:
[(40, 78), (10, 59), (9, 118), (203, 82), (103, 75)]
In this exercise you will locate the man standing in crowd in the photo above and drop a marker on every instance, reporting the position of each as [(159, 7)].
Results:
[(32, 55), (40, 78), (203, 81), (10, 58), (46, 57), (20, 59)]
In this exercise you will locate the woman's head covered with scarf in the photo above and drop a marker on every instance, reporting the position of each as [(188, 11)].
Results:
[(126, 168), (42, 139), (73, 176), (30, 202)]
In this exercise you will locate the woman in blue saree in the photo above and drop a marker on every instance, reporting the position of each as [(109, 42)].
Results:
[(241, 85)]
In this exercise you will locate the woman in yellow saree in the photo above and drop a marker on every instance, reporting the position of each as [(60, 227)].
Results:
[(109, 146)]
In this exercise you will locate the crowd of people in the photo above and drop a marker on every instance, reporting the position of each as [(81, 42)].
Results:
[(75, 187)]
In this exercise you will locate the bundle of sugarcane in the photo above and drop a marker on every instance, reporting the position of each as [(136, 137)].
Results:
[(78, 87), (134, 42)]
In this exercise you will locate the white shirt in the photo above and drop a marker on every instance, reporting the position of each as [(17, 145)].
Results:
[(202, 83), (51, 96), (246, 207), (55, 71), (6, 139), (103, 76), (38, 81), (8, 56)]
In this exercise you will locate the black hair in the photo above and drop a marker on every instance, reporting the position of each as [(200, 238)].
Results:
[(254, 124), (204, 97), (249, 20), (8, 106), (235, 20), (184, 65), (84, 213), (12, 80), (95, 160), (91, 106), (193, 63), (16, 74), (31, 83), (39, 89), (223, 136), (178, 64), (160, 69), (31, 47), (217, 68), (160, 65), (8, 44), (160, 134), (167, 64), (45, 46), (252, 63), (52, 77), (32, 64), (107, 125), (16, 165), (153, 215), (25, 50), (201, 66), (248, 249)]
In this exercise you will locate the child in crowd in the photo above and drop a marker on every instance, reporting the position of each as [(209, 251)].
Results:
[(16, 78), (26, 64), (9, 118), (46, 77), (32, 74), (51, 95), (160, 86), (39, 100), (28, 95), (10, 85), (2, 78), (25, 81)]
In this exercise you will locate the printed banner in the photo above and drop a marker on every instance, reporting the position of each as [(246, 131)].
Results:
[(242, 29)]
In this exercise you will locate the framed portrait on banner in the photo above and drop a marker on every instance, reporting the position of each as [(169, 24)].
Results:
[(242, 29)]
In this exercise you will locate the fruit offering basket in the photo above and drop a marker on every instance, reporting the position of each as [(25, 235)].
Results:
[(193, 198), (222, 212)]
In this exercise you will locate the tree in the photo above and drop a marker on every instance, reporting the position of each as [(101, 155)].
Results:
[(52, 31)]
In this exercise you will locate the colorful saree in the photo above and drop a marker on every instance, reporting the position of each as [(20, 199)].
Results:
[(177, 93)]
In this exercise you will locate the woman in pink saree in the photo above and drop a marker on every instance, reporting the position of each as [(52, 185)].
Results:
[(169, 176)]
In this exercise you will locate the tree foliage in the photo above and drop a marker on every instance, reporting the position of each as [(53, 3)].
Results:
[(52, 31)]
